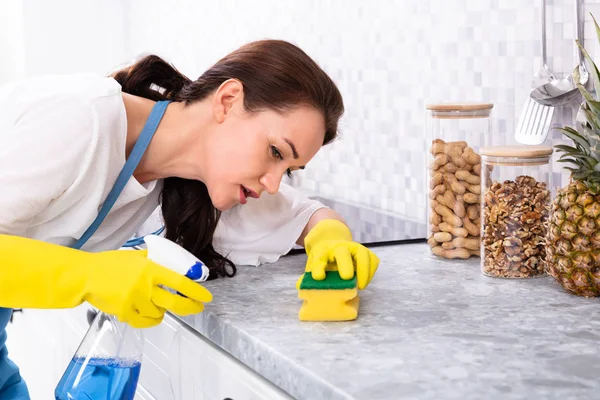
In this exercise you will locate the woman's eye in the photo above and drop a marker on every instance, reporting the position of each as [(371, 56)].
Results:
[(276, 153)]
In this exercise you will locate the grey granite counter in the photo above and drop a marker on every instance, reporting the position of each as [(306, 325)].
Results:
[(427, 329)]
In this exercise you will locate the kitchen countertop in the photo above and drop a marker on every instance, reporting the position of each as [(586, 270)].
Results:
[(427, 329)]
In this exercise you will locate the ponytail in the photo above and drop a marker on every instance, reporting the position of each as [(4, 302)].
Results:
[(153, 78)]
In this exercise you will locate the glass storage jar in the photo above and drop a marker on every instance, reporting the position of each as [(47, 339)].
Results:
[(455, 132), (516, 182)]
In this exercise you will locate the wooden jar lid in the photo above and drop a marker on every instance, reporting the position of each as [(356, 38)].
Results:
[(460, 110), (460, 107), (538, 155), (516, 151)]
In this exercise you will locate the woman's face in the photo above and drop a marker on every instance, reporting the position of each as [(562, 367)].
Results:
[(248, 153)]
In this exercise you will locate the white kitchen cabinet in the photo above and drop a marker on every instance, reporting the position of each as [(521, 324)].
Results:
[(180, 364)]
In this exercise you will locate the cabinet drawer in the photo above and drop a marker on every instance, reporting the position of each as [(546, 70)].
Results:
[(160, 365), (142, 394), (210, 373), (180, 364)]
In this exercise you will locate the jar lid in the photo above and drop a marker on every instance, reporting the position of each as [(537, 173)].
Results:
[(460, 107), (516, 155), (460, 110), (516, 151)]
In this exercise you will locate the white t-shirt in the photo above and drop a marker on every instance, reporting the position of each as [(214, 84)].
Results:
[(259, 232), (62, 146)]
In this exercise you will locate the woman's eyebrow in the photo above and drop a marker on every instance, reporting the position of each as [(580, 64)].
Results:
[(294, 152)]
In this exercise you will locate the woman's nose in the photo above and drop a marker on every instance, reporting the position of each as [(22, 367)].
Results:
[(271, 181)]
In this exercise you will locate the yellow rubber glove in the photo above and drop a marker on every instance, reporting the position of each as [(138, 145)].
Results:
[(35, 274), (329, 246)]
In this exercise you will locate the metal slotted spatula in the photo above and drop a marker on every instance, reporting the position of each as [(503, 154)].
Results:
[(534, 123), (535, 118)]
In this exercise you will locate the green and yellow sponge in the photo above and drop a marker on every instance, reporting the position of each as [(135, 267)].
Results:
[(332, 299)]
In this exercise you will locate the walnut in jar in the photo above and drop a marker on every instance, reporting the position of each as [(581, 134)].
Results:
[(515, 218)]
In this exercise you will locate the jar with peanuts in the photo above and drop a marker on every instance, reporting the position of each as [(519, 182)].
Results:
[(455, 132), (515, 206)]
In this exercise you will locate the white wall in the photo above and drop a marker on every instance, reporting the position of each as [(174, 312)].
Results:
[(63, 36), (12, 43)]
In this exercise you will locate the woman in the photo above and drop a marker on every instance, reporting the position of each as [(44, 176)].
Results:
[(217, 143)]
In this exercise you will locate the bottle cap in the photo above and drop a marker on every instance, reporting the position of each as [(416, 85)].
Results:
[(170, 255)]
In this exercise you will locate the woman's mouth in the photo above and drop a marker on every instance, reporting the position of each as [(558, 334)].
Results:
[(245, 193)]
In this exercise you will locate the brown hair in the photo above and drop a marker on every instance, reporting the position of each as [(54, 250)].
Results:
[(276, 75)]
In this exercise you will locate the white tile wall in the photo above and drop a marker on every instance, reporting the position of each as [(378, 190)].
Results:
[(389, 59)]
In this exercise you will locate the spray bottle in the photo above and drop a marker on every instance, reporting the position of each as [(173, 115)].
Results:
[(108, 361)]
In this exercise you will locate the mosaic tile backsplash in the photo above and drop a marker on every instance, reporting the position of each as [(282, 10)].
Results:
[(389, 58)]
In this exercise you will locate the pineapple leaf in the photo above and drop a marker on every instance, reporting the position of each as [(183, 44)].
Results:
[(575, 137), (581, 175), (591, 102), (593, 137), (567, 149), (590, 134), (576, 75), (593, 69), (597, 27), (565, 155), (593, 183), (590, 161), (596, 156), (592, 118), (594, 188), (570, 160)]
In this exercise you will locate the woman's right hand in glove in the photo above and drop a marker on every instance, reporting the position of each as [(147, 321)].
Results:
[(124, 283)]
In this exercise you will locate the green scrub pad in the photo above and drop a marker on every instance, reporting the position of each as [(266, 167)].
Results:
[(332, 281)]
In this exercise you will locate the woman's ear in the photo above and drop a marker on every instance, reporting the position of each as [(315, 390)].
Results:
[(230, 93)]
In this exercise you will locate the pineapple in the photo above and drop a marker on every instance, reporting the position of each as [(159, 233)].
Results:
[(573, 248)]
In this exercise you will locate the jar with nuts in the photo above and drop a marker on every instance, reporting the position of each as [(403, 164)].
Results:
[(455, 132), (515, 209)]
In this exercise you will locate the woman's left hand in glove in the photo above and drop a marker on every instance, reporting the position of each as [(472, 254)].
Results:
[(329, 246)]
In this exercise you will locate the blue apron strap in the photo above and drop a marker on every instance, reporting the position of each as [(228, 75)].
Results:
[(140, 240), (132, 162)]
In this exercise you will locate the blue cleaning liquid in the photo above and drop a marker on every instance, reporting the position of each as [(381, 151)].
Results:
[(99, 379)]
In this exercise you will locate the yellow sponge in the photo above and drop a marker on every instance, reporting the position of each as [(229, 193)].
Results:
[(332, 299)]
